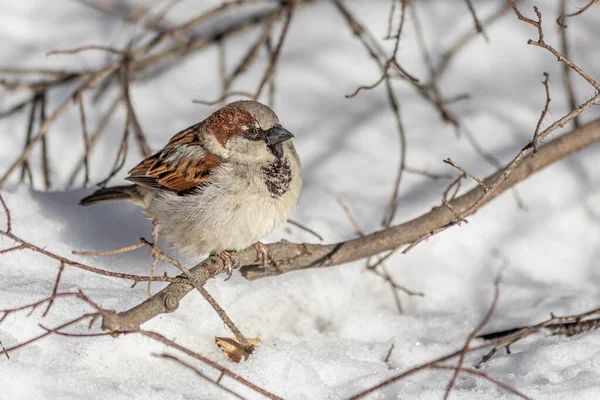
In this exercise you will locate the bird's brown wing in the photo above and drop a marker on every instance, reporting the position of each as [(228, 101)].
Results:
[(182, 166)]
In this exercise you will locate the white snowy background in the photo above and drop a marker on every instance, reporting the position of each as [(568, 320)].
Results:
[(325, 333)]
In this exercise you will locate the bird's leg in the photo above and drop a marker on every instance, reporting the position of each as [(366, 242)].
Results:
[(262, 254), (229, 261)]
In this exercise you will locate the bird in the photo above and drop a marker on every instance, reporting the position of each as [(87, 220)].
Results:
[(218, 186)]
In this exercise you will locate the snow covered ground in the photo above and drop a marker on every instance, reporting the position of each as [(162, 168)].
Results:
[(325, 333)]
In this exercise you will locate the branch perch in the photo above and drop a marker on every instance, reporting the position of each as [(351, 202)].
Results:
[(288, 256)]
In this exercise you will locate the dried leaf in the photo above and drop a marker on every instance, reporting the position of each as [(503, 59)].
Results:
[(233, 350)]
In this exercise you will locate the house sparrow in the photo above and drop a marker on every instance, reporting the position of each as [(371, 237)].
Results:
[(220, 185)]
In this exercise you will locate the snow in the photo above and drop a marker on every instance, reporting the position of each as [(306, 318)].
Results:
[(325, 333)]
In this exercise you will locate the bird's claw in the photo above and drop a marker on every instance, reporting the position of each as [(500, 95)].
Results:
[(262, 254), (229, 261)]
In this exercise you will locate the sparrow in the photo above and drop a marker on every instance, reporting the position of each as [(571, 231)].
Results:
[(218, 186)]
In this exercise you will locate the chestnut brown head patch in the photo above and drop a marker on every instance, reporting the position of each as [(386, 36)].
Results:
[(228, 122)]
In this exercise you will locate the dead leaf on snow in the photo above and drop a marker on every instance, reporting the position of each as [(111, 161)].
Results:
[(233, 350)]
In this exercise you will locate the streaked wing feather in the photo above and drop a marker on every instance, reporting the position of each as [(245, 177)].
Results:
[(183, 165)]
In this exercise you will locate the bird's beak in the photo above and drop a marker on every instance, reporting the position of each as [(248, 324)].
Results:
[(278, 134)]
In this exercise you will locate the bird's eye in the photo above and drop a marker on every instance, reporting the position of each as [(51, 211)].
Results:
[(253, 131)]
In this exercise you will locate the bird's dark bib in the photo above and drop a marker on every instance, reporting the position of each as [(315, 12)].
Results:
[(278, 176)]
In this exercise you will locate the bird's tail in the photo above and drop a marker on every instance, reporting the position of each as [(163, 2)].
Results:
[(125, 192)]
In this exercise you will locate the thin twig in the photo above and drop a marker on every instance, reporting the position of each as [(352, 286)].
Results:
[(482, 375), (470, 175), (86, 142), (131, 116), (44, 140), (289, 257), (565, 49), (87, 48), (198, 372), (160, 338), (536, 134), (304, 228), (7, 213), (478, 26), (25, 167), (55, 289), (200, 287), (563, 15), (275, 56), (472, 335), (223, 97), (93, 140)]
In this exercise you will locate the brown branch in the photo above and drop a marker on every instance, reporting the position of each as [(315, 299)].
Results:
[(3, 349), (252, 52), (93, 140), (536, 134), (224, 371), (383, 274), (55, 289), (304, 228), (184, 48), (8, 217), (49, 332), (87, 48), (140, 58), (44, 140), (223, 97), (465, 349), (209, 299), (378, 54), (541, 43), (10, 249), (23, 244), (571, 324), (565, 49), (563, 15), (91, 82), (34, 71), (130, 15), (199, 373), (467, 173), (92, 317), (436, 364), (482, 375), (86, 142), (131, 116), (25, 167), (393, 204), (275, 55), (121, 154), (506, 172), (288, 256), (478, 26), (431, 92)]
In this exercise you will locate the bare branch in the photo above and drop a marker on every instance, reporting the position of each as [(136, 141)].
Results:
[(478, 26), (198, 372), (472, 335), (563, 16), (291, 256)]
